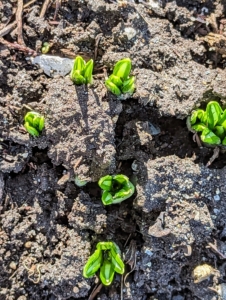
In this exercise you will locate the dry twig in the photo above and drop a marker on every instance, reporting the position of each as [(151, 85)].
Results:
[(214, 248), (18, 47), (19, 15), (29, 3), (132, 261), (44, 8), (197, 140), (215, 155), (95, 291), (58, 5), (8, 28), (97, 41)]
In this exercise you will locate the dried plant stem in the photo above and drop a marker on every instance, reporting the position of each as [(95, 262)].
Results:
[(18, 47), (8, 28), (29, 3), (44, 8), (19, 15)]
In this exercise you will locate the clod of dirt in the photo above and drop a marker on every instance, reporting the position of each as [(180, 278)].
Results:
[(87, 215), (135, 135), (65, 276), (79, 123), (14, 158), (171, 178)]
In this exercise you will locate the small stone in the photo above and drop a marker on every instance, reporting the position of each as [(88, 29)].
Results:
[(130, 32), (216, 197), (75, 289), (13, 265), (28, 245)]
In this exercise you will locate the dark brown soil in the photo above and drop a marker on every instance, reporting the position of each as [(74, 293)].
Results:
[(48, 225)]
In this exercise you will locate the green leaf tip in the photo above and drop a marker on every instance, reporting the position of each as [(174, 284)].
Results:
[(34, 123), (82, 72), (211, 123), (45, 48), (115, 188), (119, 82), (106, 259)]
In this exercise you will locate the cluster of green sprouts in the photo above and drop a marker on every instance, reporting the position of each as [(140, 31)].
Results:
[(116, 188), (81, 72), (119, 82), (211, 123), (34, 123), (107, 259)]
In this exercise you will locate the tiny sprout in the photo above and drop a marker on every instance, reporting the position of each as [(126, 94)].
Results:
[(211, 123), (34, 123), (45, 47), (80, 182), (107, 259), (115, 188), (119, 82), (81, 72)]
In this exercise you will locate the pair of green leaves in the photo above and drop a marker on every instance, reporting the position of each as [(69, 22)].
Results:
[(120, 82), (115, 188), (34, 123), (107, 259), (211, 123), (81, 72)]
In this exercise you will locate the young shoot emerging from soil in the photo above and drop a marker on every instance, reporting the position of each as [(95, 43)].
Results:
[(34, 123), (211, 123), (107, 258), (81, 72), (115, 188), (45, 48), (119, 82)]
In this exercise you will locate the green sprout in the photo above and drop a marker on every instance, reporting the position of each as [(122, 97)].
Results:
[(107, 259), (81, 72), (34, 123), (210, 123), (45, 47), (115, 188), (119, 82)]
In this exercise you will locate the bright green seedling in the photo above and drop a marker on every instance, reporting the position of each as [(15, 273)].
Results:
[(115, 188), (211, 123), (81, 72), (120, 82), (107, 258), (34, 123), (45, 47)]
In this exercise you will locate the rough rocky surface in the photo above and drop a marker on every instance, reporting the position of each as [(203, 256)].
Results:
[(175, 221)]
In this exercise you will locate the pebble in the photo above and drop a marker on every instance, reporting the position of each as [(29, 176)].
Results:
[(217, 191), (28, 245), (13, 265), (53, 65), (130, 32), (216, 197)]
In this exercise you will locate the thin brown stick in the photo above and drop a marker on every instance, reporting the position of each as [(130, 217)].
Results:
[(58, 5), (214, 248), (95, 291), (44, 8), (97, 41), (18, 47), (8, 28), (29, 3), (19, 15)]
